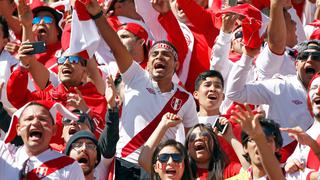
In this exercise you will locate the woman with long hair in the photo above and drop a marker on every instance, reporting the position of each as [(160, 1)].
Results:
[(207, 159)]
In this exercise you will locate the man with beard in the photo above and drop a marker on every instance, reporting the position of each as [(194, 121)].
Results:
[(84, 147), (35, 159), (307, 153)]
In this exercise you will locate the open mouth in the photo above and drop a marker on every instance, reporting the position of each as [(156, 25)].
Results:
[(171, 171), (66, 71), (159, 66), (72, 131), (35, 134), (83, 160), (199, 147), (317, 100), (212, 97), (310, 71), (42, 31)]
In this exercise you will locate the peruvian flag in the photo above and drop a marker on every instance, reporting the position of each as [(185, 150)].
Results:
[(53, 108), (254, 23), (85, 38)]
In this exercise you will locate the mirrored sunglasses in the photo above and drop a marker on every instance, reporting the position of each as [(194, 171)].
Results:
[(46, 20), (303, 56), (72, 59), (238, 34), (164, 158)]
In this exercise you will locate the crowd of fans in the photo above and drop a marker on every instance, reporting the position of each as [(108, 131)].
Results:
[(160, 89)]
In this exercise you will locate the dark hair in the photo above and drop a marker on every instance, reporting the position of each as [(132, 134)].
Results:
[(210, 73), (38, 104), (302, 46), (167, 43), (182, 150), (4, 26), (270, 128), (218, 160)]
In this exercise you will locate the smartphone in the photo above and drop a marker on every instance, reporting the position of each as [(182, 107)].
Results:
[(38, 47), (221, 128), (232, 2)]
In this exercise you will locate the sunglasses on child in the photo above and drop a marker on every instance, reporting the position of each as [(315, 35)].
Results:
[(72, 59), (164, 158), (303, 56), (46, 20)]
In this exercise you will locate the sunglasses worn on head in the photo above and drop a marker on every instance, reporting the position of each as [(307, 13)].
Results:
[(164, 158), (78, 145), (46, 20), (303, 56), (204, 135), (66, 121), (72, 59)]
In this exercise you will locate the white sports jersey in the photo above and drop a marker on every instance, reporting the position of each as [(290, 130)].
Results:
[(302, 151), (143, 101), (12, 160), (208, 119), (285, 95), (269, 64)]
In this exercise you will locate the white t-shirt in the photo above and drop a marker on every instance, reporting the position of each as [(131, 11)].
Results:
[(143, 101), (12, 159), (285, 95), (208, 119)]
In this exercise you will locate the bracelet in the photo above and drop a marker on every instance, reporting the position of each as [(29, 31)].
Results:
[(97, 15)]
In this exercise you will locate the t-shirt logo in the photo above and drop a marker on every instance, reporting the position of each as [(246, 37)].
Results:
[(176, 103), (151, 91), (297, 102), (41, 171)]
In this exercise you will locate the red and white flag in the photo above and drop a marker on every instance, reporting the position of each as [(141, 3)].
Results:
[(53, 108), (254, 23), (85, 38)]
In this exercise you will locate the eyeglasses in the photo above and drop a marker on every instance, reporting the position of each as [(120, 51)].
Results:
[(66, 121), (79, 145), (303, 56), (238, 34), (204, 135), (72, 59), (164, 158), (46, 20)]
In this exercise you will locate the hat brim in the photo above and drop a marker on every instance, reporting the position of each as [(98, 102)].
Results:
[(58, 16)]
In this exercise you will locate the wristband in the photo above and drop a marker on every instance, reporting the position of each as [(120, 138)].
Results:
[(97, 15)]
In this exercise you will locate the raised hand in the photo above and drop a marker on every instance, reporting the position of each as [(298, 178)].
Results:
[(170, 120), (92, 6), (162, 6), (12, 47), (248, 121), (298, 134), (23, 51), (228, 22), (25, 13), (77, 101), (111, 92)]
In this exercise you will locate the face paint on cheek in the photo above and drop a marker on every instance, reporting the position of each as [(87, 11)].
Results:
[(162, 166)]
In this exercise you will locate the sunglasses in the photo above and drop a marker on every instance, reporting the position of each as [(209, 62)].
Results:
[(303, 56), (46, 20), (204, 135), (66, 121), (72, 59), (238, 34), (164, 158)]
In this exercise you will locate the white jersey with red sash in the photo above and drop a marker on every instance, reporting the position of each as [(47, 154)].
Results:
[(47, 165), (143, 105)]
